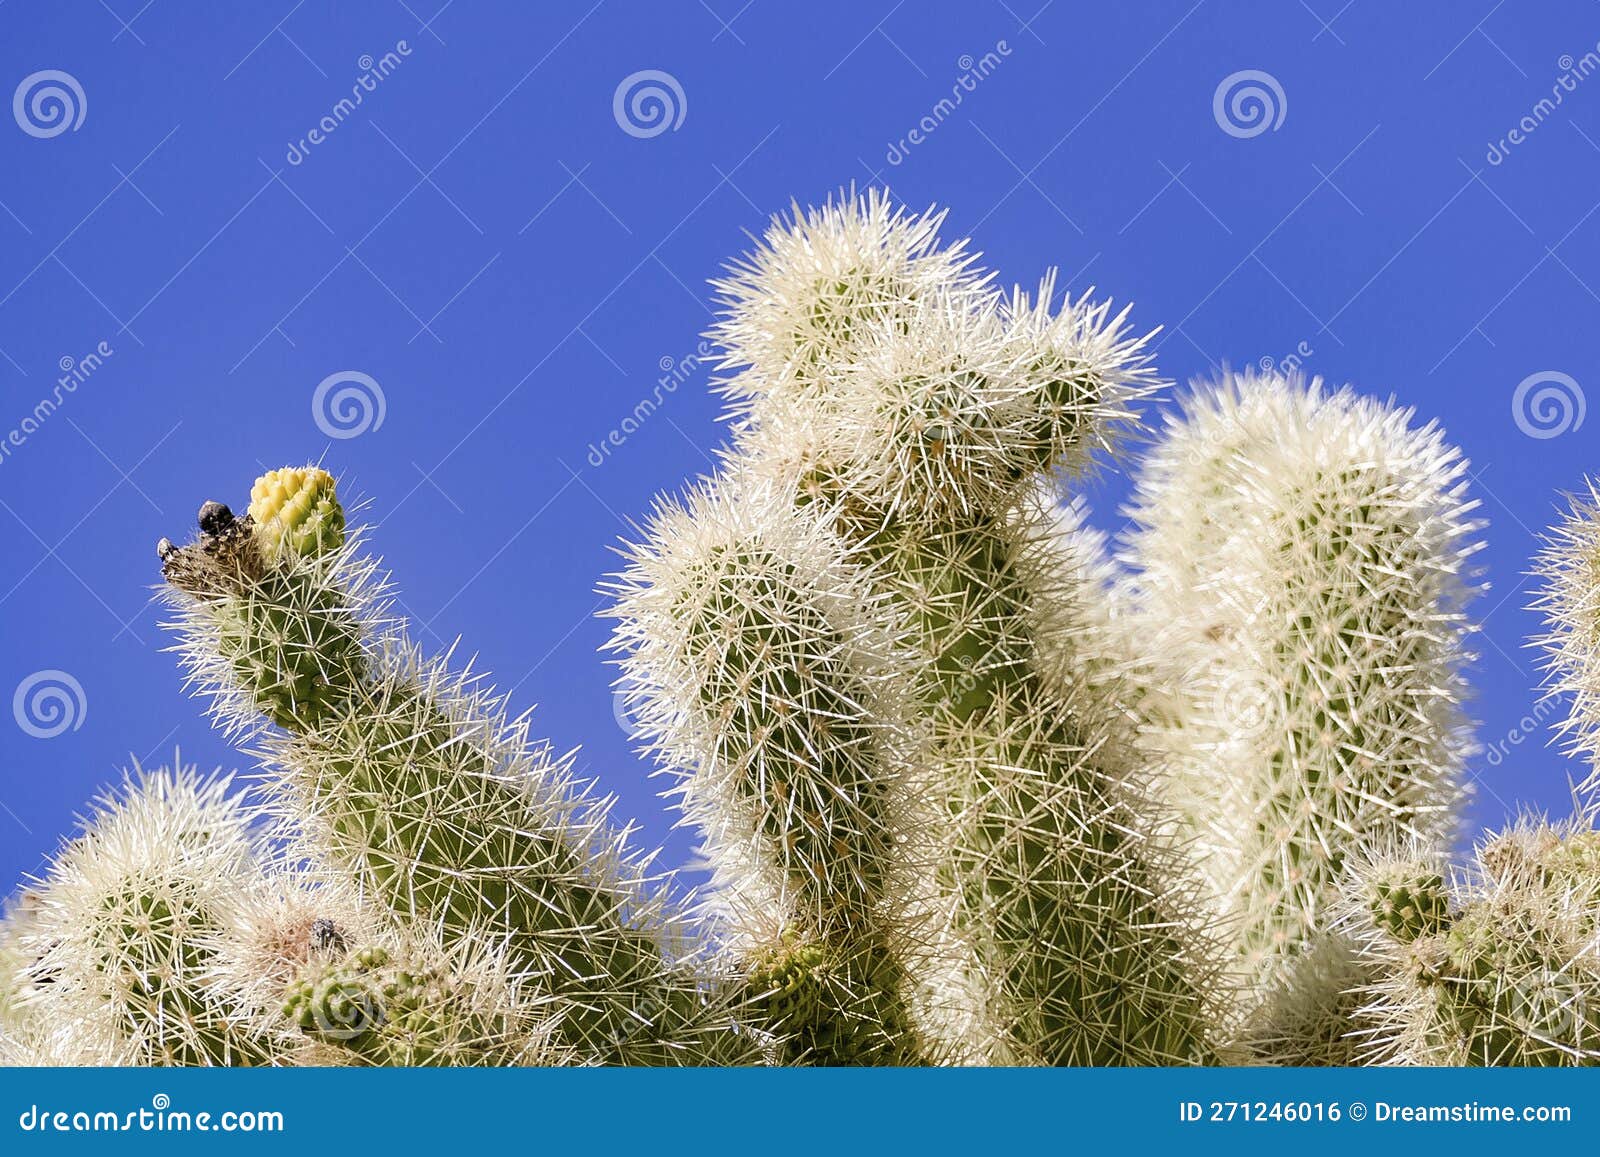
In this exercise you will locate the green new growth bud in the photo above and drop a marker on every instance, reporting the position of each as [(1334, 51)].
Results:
[(1513, 977), (297, 510), (372, 1007), (1408, 901), (272, 613)]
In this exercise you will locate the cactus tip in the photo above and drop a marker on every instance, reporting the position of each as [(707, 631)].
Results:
[(297, 509)]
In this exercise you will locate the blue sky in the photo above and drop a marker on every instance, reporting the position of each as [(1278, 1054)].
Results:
[(485, 243)]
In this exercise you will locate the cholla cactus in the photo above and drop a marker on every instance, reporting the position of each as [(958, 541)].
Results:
[(1503, 970), (415, 1004), (131, 921), (1308, 1015), (913, 415), (969, 793), (411, 781), (799, 307), (764, 676), (1300, 560), (1570, 568), (22, 1035)]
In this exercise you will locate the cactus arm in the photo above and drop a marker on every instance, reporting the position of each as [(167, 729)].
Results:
[(1569, 566), (762, 679), (1048, 861), (412, 781), (920, 431), (1300, 559)]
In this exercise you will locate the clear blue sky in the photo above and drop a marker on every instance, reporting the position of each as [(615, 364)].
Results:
[(485, 241)]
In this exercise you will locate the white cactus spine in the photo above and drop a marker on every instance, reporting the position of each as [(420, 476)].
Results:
[(1301, 561)]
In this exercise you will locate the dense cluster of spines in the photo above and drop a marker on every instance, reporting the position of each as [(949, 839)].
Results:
[(970, 790), (761, 674), (132, 921), (1570, 569), (410, 780), (913, 414), (1502, 969), (413, 1005), (1300, 571)]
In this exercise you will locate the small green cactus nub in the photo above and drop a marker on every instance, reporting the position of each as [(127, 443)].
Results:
[(1409, 901), (788, 981), (375, 1007), (296, 509), (347, 1002), (832, 1006)]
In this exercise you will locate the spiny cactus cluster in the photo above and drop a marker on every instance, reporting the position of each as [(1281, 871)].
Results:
[(974, 785), (1301, 573), (1502, 969)]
